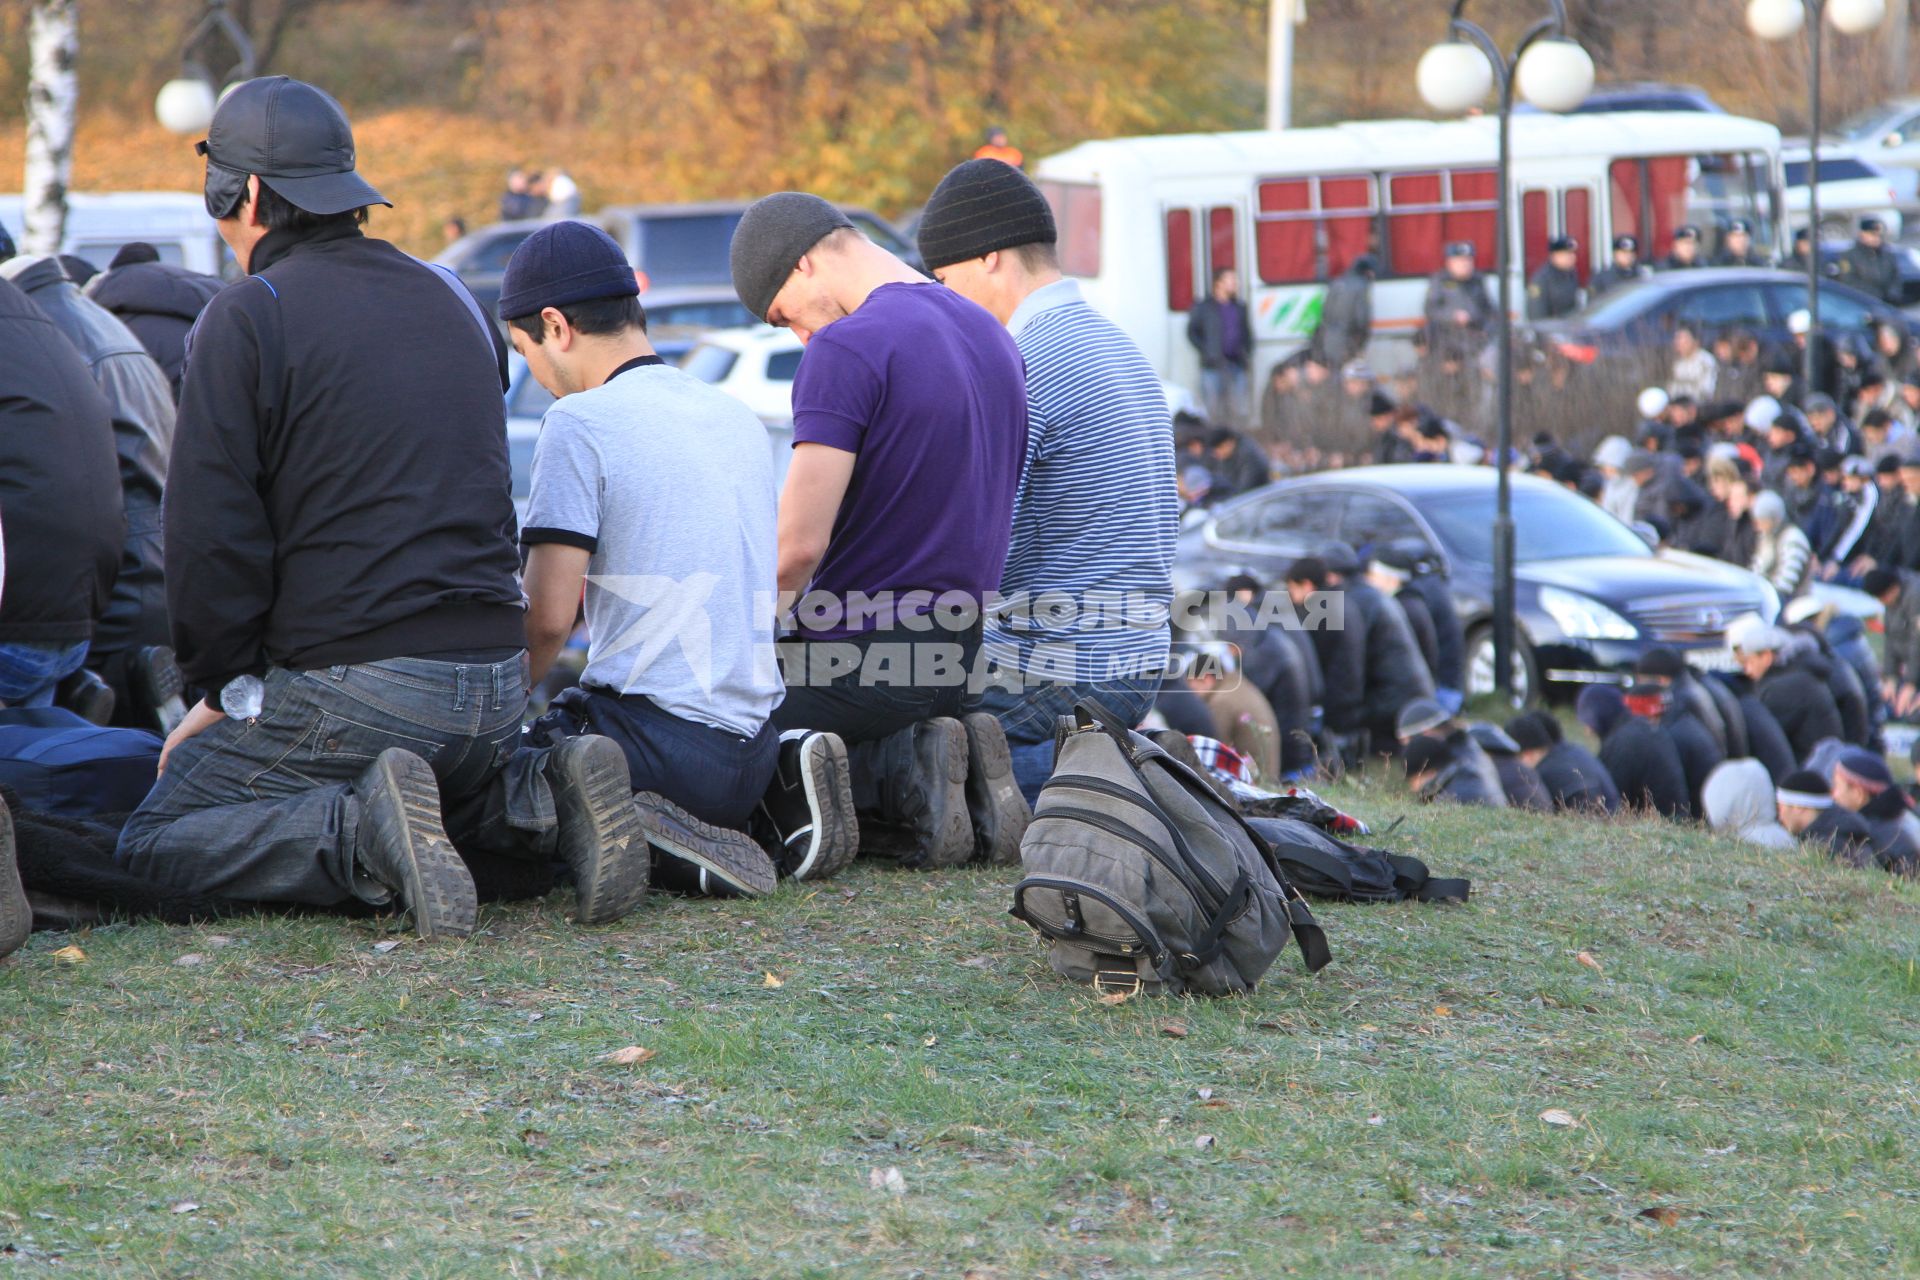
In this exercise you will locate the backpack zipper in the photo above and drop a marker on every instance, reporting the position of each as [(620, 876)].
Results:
[(1147, 938), (1118, 792), (1114, 827)]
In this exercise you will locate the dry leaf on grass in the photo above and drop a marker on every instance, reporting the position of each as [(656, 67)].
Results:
[(1558, 1118), (385, 948), (1586, 958), (772, 982), (1442, 1011), (1664, 1214), (631, 1056), (930, 1041), (70, 955), (1174, 1030), (185, 1206), (191, 960)]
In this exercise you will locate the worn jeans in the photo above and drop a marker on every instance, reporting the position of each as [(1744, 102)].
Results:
[(1224, 391), (862, 703), (1029, 717), (31, 670), (263, 810)]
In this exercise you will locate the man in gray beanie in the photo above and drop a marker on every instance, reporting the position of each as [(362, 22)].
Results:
[(1097, 510), (909, 430)]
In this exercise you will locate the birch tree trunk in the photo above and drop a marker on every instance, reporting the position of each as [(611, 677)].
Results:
[(52, 96)]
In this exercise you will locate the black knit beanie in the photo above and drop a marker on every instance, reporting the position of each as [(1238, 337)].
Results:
[(980, 207)]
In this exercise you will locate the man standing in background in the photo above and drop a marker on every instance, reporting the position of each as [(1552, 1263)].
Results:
[(1222, 332)]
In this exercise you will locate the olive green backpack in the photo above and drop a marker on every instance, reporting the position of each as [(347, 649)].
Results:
[(1144, 880)]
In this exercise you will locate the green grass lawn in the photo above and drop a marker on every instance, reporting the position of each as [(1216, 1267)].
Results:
[(1740, 1070)]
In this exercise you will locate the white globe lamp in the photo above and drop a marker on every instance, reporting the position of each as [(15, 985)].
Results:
[(1555, 75), (1856, 17), (185, 106), (1775, 19), (1454, 76)]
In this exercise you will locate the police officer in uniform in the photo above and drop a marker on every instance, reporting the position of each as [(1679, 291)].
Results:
[(1625, 269), (1869, 265), (1555, 290), (1459, 311), (1684, 253), (1736, 247)]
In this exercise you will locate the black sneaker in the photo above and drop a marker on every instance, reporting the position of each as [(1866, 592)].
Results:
[(154, 680), (86, 695), (16, 917), (806, 819), (920, 781), (998, 811), (403, 846), (600, 837), (697, 857)]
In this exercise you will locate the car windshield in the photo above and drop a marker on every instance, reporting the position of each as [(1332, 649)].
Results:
[(1618, 306), (1838, 169), (710, 363), (1548, 525), (1870, 122)]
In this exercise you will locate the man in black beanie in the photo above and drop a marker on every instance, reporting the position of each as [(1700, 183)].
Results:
[(1096, 514)]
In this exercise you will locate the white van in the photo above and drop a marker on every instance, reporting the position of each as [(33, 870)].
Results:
[(174, 222), (1144, 222)]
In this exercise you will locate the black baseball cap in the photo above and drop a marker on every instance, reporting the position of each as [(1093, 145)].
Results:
[(1740, 225), (1626, 244), (1687, 232), (294, 138), (1562, 244), (1460, 249)]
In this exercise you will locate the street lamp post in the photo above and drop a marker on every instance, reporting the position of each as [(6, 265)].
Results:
[(185, 104), (1555, 74), (1779, 20)]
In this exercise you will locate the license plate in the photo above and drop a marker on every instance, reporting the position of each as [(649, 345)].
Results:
[(1720, 659)]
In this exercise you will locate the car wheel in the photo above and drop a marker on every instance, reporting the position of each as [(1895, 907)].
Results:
[(1480, 668)]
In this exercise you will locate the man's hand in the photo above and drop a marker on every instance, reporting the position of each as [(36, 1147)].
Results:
[(197, 721)]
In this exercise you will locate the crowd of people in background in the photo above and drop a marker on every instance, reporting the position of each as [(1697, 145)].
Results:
[(539, 193)]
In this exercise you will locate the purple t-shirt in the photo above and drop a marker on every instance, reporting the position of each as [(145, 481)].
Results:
[(927, 389)]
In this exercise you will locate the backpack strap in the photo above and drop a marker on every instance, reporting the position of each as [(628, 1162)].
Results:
[(452, 280), (1412, 877)]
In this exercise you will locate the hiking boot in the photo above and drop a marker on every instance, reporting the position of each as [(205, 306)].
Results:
[(698, 857), (919, 781), (16, 917), (806, 819), (154, 680), (996, 808), (600, 837), (402, 845), (1179, 746), (86, 695)]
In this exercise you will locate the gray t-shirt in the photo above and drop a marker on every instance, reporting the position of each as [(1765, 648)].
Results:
[(669, 483)]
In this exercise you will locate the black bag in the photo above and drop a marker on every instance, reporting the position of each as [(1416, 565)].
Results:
[(1324, 866)]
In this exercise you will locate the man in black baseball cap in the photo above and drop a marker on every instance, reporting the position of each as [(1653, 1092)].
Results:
[(1555, 290), (341, 571), (1624, 269)]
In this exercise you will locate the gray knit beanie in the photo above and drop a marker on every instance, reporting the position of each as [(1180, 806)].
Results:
[(774, 233)]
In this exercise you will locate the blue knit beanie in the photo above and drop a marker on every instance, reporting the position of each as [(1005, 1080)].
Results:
[(563, 263)]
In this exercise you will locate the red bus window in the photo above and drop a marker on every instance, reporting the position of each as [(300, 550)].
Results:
[(1623, 182), (1667, 194), (1576, 217), (1471, 217), (1535, 209), (1076, 214), (1413, 224), (1221, 253), (1284, 247), (1179, 259), (1347, 237)]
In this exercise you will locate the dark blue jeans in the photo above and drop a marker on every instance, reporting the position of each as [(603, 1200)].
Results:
[(31, 670), (263, 810), (1029, 716), (886, 681), (715, 775)]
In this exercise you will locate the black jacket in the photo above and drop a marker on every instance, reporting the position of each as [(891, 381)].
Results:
[(1698, 754), (1646, 767), (1871, 270), (1726, 706), (1893, 831), (159, 302), (340, 489), (1420, 622), (1396, 674), (1346, 319), (1450, 640), (1612, 277), (1801, 702), (1577, 781), (1845, 836), (1552, 293), (1447, 338), (1465, 775), (1342, 652), (1766, 740), (1206, 330), (1274, 665), (60, 505), (1521, 785), (1690, 695)]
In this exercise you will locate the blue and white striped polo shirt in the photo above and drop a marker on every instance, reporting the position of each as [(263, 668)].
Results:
[(1097, 511)]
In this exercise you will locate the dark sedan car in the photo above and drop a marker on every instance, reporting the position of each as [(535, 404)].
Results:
[(1590, 596), (1639, 319)]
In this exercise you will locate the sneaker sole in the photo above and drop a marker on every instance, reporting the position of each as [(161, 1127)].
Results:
[(828, 782), (16, 914), (164, 690), (945, 760), (995, 807), (600, 836), (730, 856), (438, 888)]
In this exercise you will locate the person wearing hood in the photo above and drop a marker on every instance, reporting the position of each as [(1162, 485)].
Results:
[(1395, 672), (129, 644), (1804, 803), (158, 302), (1520, 782), (1799, 700), (1620, 494), (1642, 760), (1781, 552), (1575, 779), (1663, 665), (1699, 756), (1346, 314), (1863, 783), (1807, 646), (1739, 801), (1472, 777), (1435, 771)]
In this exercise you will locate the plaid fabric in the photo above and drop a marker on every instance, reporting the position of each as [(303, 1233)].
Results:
[(1222, 759)]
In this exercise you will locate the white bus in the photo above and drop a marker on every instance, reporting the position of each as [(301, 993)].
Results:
[(175, 223), (1144, 222)]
